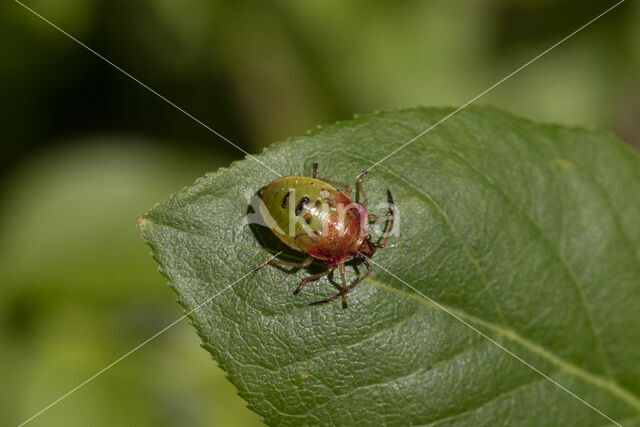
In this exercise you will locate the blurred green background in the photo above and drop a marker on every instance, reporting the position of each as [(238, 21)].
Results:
[(85, 150)]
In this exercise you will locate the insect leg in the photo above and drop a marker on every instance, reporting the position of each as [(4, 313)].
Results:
[(344, 285), (361, 189), (346, 290), (391, 214), (353, 285), (347, 189), (316, 175), (274, 261), (311, 278)]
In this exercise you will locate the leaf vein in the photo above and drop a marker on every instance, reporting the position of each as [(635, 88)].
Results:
[(397, 379), (579, 286), (530, 384)]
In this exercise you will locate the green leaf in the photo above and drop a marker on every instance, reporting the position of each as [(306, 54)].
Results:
[(528, 232)]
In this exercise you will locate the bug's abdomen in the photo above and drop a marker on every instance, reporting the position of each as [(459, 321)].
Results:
[(294, 205), (343, 232)]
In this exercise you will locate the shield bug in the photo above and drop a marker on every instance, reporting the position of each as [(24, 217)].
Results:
[(312, 216)]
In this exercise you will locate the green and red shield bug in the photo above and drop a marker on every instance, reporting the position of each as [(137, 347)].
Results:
[(312, 216)]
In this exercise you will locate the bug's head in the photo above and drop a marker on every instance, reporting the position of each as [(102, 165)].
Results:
[(367, 249)]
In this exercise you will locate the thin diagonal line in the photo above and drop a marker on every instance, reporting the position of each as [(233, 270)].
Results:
[(448, 116), (94, 376), (165, 99), (496, 343)]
